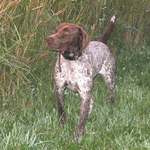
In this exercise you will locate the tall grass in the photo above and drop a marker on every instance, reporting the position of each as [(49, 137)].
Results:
[(25, 24)]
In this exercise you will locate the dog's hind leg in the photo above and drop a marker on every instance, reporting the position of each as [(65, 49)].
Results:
[(109, 76)]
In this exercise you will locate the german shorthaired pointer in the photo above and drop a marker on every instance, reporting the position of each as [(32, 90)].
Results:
[(80, 60)]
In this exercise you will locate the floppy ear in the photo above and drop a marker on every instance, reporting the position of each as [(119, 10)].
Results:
[(84, 38)]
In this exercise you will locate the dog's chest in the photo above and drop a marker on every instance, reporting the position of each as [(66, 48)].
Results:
[(74, 73)]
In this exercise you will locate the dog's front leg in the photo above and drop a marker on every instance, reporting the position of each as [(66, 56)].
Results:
[(85, 109), (59, 93)]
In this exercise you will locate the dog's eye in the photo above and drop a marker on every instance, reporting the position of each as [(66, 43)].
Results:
[(66, 33)]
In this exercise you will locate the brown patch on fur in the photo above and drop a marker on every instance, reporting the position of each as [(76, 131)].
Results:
[(85, 37), (77, 87), (88, 72)]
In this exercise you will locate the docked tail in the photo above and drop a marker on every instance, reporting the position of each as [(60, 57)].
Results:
[(108, 30)]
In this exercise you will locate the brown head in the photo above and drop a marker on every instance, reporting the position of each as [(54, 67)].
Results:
[(69, 39)]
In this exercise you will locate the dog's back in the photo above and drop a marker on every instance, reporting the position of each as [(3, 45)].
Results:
[(96, 54)]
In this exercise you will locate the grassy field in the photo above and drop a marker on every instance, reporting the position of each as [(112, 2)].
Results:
[(28, 118)]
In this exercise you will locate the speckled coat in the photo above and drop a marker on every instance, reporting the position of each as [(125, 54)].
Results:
[(78, 76)]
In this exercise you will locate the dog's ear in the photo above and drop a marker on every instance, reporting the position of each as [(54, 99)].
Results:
[(84, 38)]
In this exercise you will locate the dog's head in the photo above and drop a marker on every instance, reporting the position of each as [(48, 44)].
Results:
[(69, 39)]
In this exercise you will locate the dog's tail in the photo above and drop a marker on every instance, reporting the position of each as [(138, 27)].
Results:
[(108, 30)]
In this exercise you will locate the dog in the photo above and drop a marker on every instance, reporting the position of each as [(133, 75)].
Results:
[(79, 61)]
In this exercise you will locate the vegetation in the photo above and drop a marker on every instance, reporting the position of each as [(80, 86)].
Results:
[(28, 119)]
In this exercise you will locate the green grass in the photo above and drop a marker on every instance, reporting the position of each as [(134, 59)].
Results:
[(28, 118)]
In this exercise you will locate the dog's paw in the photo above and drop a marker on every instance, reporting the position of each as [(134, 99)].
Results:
[(78, 134)]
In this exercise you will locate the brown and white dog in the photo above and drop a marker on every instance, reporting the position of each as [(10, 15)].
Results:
[(79, 62)]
